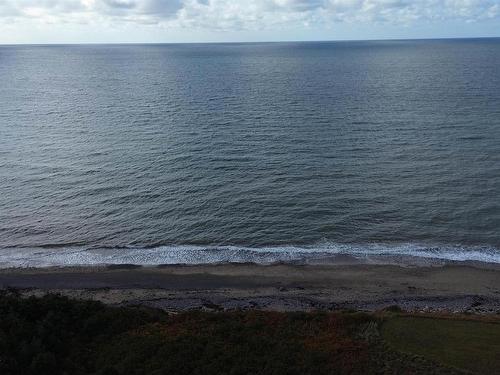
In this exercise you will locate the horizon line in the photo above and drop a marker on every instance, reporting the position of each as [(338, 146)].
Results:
[(249, 42)]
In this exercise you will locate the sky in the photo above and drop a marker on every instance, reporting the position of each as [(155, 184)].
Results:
[(172, 21)]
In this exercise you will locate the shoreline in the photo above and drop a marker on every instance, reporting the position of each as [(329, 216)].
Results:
[(451, 288), (402, 254)]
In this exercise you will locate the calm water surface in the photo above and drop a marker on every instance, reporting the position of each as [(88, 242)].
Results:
[(249, 152)]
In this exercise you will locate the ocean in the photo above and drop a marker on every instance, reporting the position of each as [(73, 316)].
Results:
[(254, 152)]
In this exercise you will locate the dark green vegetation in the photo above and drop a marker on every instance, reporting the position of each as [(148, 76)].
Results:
[(470, 345), (56, 335)]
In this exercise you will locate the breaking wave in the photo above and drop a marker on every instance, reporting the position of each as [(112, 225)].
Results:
[(192, 255)]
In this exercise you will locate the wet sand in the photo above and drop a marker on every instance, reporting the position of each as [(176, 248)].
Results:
[(449, 288)]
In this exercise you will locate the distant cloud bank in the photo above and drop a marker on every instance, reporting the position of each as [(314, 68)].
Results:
[(227, 15)]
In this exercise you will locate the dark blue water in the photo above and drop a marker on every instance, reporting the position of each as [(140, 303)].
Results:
[(236, 152)]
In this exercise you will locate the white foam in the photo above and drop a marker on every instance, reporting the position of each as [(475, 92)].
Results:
[(185, 254)]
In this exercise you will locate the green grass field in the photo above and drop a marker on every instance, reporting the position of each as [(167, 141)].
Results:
[(464, 344)]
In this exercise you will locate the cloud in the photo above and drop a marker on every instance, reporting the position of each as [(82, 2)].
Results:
[(152, 8), (248, 14)]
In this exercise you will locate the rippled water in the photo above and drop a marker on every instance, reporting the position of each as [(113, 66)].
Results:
[(198, 153)]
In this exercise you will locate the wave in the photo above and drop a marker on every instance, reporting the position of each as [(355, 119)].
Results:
[(410, 253)]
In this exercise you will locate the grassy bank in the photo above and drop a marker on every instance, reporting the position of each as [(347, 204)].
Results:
[(467, 344), (56, 335)]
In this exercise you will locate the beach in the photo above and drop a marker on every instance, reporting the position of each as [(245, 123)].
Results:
[(452, 288)]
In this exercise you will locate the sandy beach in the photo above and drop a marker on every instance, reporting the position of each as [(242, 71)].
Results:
[(450, 288)]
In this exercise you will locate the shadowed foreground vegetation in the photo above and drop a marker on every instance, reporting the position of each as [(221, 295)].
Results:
[(56, 335)]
